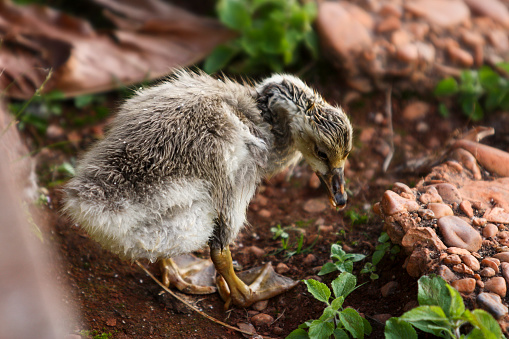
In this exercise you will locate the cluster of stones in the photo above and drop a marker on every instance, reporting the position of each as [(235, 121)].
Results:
[(415, 41), (455, 223)]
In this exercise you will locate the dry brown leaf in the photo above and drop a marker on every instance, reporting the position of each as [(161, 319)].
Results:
[(152, 39)]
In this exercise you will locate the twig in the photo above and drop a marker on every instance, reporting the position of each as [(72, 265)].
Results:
[(388, 109), (193, 307)]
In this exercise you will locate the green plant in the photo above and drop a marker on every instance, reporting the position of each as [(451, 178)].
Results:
[(441, 313), (342, 261), (335, 320), (383, 247), (94, 334), (357, 218), (477, 90), (270, 33), (281, 233)]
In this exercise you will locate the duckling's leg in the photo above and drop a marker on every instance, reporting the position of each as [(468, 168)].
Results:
[(189, 274), (263, 282)]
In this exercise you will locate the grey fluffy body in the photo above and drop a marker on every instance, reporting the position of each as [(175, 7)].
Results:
[(182, 160)]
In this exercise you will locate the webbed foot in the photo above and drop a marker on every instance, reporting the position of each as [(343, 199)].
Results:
[(189, 274), (256, 284)]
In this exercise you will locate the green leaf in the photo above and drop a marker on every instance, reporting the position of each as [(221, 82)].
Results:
[(354, 257), (217, 60), (377, 256), (433, 291), (488, 78), (328, 313), (340, 334), (336, 249), (443, 110), (367, 326), (298, 334), (318, 290), (320, 329), (384, 237), (67, 169), (344, 284), (395, 328), (352, 321), (347, 266), (337, 303), (504, 66), (485, 323), (327, 268), (446, 87), (431, 319), (84, 100), (457, 307), (234, 14)]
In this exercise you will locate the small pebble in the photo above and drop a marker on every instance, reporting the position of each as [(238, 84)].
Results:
[(479, 221), (314, 181), (260, 305), (256, 251), (325, 229), (458, 233), (264, 213), (462, 268), (453, 259), (449, 193), (457, 250), (503, 256), (262, 319), (487, 272), (492, 303), (466, 207), (491, 262), (389, 289), (446, 273), (496, 285), (309, 259), (282, 268), (471, 261), (426, 214), (392, 203), (382, 318), (466, 285), (315, 206), (247, 327), (490, 231), (440, 210), (431, 195)]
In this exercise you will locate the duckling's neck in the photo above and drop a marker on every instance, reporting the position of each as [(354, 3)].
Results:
[(283, 151)]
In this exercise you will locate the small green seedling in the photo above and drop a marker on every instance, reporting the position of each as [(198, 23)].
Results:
[(335, 321), (342, 261), (443, 314), (383, 247), (270, 35), (281, 233), (357, 218), (477, 91)]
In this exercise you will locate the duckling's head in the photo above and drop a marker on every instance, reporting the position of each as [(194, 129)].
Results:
[(320, 131)]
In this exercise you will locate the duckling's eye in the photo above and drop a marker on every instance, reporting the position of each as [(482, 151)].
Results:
[(321, 154)]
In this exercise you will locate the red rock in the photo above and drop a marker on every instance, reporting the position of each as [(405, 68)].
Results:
[(494, 160), (314, 181), (491, 262), (490, 231), (389, 288), (449, 193), (282, 268), (247, 327), (340, 30), (315, 206), (462, 268), (497, 214), (400, 38), (487, 272), (499, 40), (457, 250), (421, 236), (492, 303), (392, 203), (468, 161), (466, 207), (458, 233), (446, 273), (256, 251), (438, 12), (496, 285), (503, 256), (471, 261), (309, 259), (452, 259), (440, 210), (399, 188), (260, 305), (431, 195), (389, 24), (407, 52), (326, 229), (111, 322), (460, 56), (466, 285), (264, 213), (391, 9), (494, 9), (382, 318), (262, 319), (416, 110)]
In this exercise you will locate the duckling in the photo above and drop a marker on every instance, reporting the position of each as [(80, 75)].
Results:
[(181, 161)]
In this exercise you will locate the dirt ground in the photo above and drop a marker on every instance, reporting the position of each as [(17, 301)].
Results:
[(114, 297)]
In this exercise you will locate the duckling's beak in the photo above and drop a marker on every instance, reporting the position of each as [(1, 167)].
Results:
[(335, 183)]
